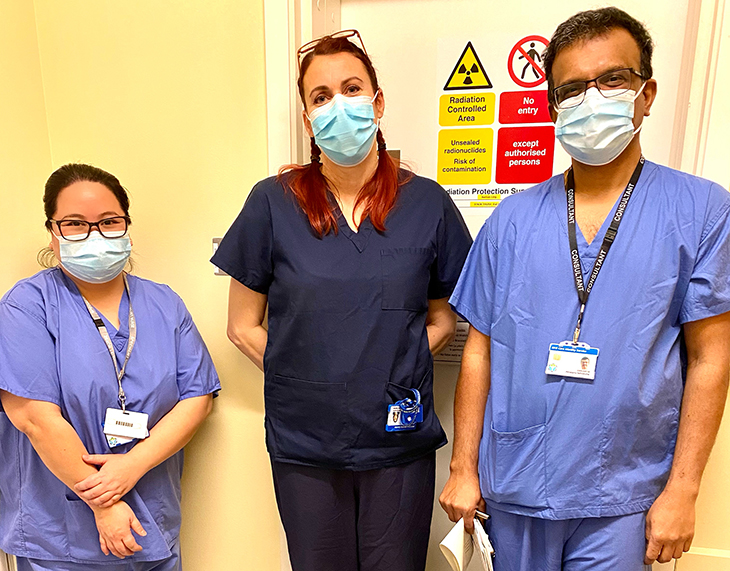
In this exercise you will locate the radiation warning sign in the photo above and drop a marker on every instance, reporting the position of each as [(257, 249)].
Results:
[(468, 73), (495, 132)]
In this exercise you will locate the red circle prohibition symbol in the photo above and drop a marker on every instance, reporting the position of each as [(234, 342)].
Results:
[(528, 61)]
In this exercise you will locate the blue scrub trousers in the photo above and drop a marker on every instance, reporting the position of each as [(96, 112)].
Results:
[(172, 563), (523, 543), (346, 520)]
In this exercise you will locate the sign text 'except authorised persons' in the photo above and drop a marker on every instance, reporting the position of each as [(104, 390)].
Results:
[(524, 154)]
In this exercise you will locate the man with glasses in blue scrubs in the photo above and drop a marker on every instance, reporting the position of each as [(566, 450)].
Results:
[(596, 369)]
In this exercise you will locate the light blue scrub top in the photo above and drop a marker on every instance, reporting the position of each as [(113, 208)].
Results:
[(50, 350), (561, 448)]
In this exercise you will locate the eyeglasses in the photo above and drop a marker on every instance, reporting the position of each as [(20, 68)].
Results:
[(610, 84), (309, 46), (78, 230)]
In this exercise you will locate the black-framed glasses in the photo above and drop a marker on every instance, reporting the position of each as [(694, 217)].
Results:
[(610, 84), (309, 46), (78, 230)]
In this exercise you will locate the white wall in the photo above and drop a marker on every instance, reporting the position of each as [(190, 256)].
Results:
[(715, 164)]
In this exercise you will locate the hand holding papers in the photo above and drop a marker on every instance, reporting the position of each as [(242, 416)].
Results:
[(458, 546)]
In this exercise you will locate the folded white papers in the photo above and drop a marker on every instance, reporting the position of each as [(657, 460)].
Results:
[(483, 546), (458, 547)]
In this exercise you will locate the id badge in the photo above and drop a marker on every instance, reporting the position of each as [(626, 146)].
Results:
[(125, 425), (399, 420), (576, 360), (115, 441)]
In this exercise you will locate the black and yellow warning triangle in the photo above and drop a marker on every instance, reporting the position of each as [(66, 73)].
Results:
[(468, 72)]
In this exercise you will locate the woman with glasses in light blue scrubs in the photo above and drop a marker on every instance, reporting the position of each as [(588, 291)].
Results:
[(103, 379)]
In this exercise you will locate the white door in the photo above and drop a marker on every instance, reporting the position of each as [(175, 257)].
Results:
[(705, 153)]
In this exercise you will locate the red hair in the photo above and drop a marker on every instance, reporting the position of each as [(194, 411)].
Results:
[(309, 186)]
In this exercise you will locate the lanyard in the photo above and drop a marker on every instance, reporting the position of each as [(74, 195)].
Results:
[(108, 342), (585, 290)]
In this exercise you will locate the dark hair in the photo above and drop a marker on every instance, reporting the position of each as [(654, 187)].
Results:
[(591, 24), (63, 178), (307, 182), (76, 172)]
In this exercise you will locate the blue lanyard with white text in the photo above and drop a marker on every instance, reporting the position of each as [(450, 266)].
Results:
[(108, 342), (585, 290)]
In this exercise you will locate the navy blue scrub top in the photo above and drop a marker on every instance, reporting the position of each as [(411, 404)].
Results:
[(347, 321)]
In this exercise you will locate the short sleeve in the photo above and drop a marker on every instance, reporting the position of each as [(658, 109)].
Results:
[(246, 251), (196, 374), (473, 297), (708, 293), (27, 355), (452, 247)]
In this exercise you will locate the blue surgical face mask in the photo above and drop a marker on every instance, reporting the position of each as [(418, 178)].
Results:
[(599, 129), (345, 128), (97, 259)]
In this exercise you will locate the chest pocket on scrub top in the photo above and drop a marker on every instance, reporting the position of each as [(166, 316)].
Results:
[(406, 273)]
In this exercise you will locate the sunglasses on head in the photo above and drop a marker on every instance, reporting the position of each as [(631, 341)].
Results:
[(309, 46)]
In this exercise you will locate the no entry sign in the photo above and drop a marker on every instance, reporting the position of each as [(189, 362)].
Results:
[(524, 61)]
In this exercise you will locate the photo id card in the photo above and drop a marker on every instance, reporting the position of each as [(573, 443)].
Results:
[(126, 424), (568, 359), (398, 420), (115, 441)]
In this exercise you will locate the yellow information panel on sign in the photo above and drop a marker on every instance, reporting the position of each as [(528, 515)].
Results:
[(484, 204), (465, 156), (465, 110)]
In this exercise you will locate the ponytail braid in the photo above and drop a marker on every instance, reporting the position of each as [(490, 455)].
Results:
[(309, 186)]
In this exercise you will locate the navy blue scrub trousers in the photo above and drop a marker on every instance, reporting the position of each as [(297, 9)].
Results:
[(346, 520)]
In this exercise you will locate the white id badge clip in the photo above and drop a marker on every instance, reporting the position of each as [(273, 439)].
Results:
[(576, 360), (124, 426)]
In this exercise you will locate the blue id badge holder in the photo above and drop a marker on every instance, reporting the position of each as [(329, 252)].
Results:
[(405, 414)]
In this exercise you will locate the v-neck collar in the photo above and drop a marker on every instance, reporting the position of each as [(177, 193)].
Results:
[(123, 332), (360, 238), (588, 252)]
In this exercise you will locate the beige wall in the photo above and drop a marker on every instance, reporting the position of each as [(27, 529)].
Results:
[(24, 150), (170, 97)]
